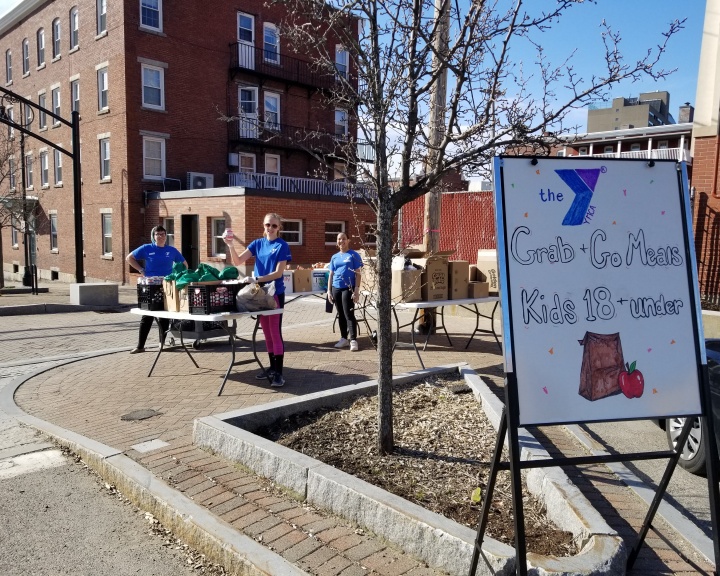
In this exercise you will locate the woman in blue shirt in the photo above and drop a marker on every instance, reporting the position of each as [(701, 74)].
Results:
[(344, 290), (158, 261), (271, 254)]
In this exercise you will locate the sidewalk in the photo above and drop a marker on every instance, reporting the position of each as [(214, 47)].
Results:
[(91, 403)]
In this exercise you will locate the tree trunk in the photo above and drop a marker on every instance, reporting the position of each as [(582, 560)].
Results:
[(2, 262), (384, 236)]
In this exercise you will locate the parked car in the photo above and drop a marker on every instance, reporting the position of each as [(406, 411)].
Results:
[(693, 457)]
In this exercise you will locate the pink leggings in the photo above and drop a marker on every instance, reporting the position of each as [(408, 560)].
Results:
[(272, 329)]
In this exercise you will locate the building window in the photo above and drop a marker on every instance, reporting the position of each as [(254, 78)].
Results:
[(341, 61), (369, 233), (44, 170), (271, 44), (339, 171), (105, 159), (106, 234), (272, 171), (14, 231), (609, 150), (58, 167), (75, 96), (11, 116), (292, 231), (8, 66), (42, 116), (41, 47), (11, 170), (662, 145), (341, 123), (55, 95), (332, 229), (74, 28), (28, 171), (560, 153), (634, 147), (245, 28), (101, 7), (153, 158), (102, 87), (169, 225), (218, 244), (272, 111), (53, 232), (583, 151), (26, 56), (27, 121), (151, 14), (56, 37), (153, 87)]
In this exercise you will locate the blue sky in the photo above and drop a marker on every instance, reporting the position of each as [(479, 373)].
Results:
[(641, 23)]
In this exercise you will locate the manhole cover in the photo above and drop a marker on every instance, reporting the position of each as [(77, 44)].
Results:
[(139, 414), (352, 367)]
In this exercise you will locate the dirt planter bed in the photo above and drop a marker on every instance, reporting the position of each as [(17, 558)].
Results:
[(436, 540)]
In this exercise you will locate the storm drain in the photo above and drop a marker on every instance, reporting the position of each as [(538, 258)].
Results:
[(143, 414), (349, 367)]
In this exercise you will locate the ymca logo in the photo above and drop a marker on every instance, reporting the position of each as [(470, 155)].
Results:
[(582, 182)]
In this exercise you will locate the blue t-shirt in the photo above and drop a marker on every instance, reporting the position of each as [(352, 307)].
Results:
[(267, 255), (344, 265), (158, 261)]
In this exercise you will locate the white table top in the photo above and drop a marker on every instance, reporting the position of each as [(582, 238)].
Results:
[(220, 317), (441, 303)]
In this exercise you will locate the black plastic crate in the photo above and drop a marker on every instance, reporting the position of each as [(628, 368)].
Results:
[(150, 297), (212, 298)]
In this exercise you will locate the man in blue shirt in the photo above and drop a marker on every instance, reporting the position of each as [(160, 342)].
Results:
[(158, 261)]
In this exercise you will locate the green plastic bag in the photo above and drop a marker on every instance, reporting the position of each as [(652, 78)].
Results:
[(229, 273)]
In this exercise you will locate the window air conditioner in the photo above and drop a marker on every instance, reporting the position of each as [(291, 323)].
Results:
[(486, 185), (198, 180)]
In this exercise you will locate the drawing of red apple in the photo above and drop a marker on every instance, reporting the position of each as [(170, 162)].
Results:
[(631, 381)]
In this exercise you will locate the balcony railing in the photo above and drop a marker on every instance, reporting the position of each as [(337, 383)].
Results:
[(284, 136), (678, 154), (273, 64), (299, 185)]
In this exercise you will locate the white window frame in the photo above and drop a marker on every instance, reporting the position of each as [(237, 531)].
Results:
[(288, 235), (367, 232), (636, 147), (53, 232), (74, 36), (101, 10), (56, 38), (75, 95), (154, 9), (146, 157), (57, 168), (271, 55), (342, 61), (240, 16), (169, 225), (26, 56), (217, 227), (106, 231), (341, 121), (29, 171), (42, 115), (14, 232), (27, 121), (40, 38), (332, 239), (103, 89), (55, 98), (662, 145), (11, 116), (11, 172), (104, 149), (273, 178), (161, 88), (44, 171), (583, 151), (271, 124), (8, 66), (609, 149)]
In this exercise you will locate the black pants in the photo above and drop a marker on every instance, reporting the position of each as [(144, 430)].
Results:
[(146, 323), (346, 311)]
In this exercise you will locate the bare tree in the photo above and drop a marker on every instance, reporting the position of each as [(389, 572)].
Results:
[(11, 200), (502, 93)]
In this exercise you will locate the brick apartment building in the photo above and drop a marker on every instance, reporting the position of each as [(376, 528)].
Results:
[(152, 81)]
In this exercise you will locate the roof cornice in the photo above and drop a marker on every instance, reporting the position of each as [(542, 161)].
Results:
[(18, 13)]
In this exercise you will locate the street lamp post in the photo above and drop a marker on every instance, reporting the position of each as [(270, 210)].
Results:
[(27, 277)]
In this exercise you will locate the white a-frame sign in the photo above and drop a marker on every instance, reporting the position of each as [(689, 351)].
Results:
[(601, 314)]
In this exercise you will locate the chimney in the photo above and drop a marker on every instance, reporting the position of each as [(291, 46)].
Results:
[(686, 113)]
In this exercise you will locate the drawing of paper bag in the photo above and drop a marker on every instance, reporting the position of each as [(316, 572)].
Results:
[(602, 363)]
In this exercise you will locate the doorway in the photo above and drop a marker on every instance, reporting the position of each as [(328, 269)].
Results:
[(190, 240)]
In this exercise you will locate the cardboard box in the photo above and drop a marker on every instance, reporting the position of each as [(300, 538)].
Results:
[(458, 275), (434, 283), (488, 268), (288, 281), (473, 273), (406, 285), (319, 280), (478, 290), (302, 280)]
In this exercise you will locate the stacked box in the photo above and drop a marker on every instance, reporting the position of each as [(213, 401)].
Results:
[(302, 280), (458, 275), (288, 281), (488, 269), (406, 285), (434, 282)]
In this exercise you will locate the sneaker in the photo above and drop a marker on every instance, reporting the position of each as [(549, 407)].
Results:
[(354, 346), (342, 343), (137, 350), (269, 373), (278, 381)]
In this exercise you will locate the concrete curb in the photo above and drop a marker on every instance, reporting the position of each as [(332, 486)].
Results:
[(27, 309), (218, 540), (430, 537)]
